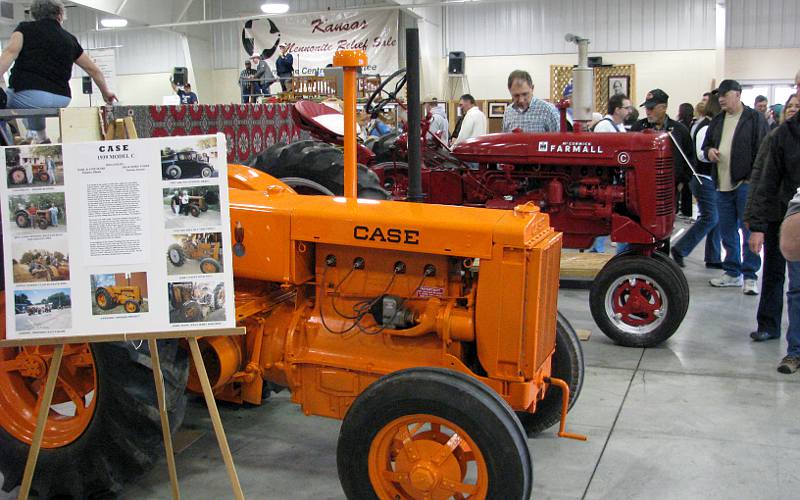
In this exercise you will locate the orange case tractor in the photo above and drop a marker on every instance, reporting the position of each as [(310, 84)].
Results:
[(109, 297), (424, 327)]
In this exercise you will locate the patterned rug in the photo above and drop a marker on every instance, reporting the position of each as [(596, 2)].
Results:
[(248, 128)]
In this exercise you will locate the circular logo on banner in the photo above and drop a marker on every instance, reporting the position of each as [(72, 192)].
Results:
[(623, 158)]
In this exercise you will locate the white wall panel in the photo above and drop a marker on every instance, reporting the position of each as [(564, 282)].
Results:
[(538, 26), (763, 24)]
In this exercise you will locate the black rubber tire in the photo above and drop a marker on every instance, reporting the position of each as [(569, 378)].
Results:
[(208, 260), (175, 255), (44, 176), (22, 219), (206, 172), (568, 365), (654, 269), (462, 400), (174, 172), (14, 173), (109, 299), (664, 258), (194, 210), (384, 147), (42, 223), (133, 305), (122, 441), (319, 162)]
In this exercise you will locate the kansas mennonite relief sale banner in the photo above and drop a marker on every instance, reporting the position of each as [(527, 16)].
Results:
[(313, 39), (123, 236)]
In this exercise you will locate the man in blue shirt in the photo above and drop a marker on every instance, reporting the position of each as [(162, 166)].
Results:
[(284, 66), (526, 112), (185, 94)]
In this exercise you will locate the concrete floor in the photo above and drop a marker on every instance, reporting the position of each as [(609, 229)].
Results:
[(703, 416)]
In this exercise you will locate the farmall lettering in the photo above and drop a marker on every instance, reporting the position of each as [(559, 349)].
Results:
[(574, 147)]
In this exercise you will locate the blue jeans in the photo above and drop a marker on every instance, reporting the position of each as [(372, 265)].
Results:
[(793, 299), (730, 205), (34, 99), (599, 245), (707, 219)]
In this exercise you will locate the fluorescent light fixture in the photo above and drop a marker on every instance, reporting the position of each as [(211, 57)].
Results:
[(113, 23), (275, 8)]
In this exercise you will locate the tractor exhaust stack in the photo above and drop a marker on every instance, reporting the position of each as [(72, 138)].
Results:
[(582, 84), (414, 117)]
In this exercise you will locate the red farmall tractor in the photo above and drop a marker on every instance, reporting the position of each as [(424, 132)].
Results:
[(589, 184)]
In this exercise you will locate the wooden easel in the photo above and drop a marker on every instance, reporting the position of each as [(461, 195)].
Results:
[(121, 128), (152, 338)]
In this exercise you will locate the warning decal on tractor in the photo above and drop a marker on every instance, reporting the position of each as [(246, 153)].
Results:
[(430, 291), (122, 236)]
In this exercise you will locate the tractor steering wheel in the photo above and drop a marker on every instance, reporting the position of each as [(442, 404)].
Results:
[(373, 110)]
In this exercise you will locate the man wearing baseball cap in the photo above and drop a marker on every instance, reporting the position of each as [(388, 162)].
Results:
[(284, 66), (731, 144), (655, 106), (438, 120)]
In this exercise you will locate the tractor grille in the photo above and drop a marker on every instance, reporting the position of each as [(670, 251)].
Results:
[(665, 186)]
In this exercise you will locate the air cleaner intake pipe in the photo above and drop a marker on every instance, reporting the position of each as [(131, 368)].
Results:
[(582, 84)]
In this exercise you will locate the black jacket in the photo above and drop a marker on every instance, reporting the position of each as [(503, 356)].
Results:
[(764, 214), (749, 133), (682, 171), (780, 177)]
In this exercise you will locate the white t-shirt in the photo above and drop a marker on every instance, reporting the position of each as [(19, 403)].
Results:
[(473, 125), (607, 125)]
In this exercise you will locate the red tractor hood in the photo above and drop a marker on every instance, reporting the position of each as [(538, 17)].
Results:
[(554, 148), (319, 120)]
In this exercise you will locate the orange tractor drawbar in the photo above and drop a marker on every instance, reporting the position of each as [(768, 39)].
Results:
[(431, 330)]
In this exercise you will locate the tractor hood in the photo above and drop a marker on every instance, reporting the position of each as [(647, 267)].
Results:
[(555, 148)]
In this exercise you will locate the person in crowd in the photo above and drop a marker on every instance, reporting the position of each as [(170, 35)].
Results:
[(790, 231), (761, 104), (284, 66), (51, 169), (175, 203), (684, 198), (43, 54), (526, 112), (457, 127), (246, 82), (763, 217), (778, 184), (28, 165), (706, 95), (53, 215), (631, 120), (185, 93), (655, 106), (619, 106), (263, 77), (773, 116), (439, 124), (378, 126), (731, 144), (705, 191), (184, 202), (474, 123)]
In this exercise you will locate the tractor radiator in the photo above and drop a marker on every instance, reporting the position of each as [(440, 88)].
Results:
[(665, 186)]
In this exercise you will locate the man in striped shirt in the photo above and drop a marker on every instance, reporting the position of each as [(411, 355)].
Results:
[(526, 112)]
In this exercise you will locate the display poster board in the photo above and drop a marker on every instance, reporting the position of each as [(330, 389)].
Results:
[(113, 237), (313, 39), (106, 60)]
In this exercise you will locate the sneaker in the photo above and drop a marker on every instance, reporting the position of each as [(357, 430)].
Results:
[(789, 364), (726, 281), (676, 256), (758, 336), (750, 287), (713, 265)]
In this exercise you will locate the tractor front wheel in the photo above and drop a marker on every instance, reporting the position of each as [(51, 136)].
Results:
[(104, 299), (131, 306), (568, 366), (638, 301), (44, 177), (22, 219), (209, 265), (104, 427), (194, 210), (42, 223), (432, 433)]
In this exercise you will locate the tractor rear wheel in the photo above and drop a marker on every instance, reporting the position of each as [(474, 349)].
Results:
[(44, 177), (638, 301), (209, 265), (568, 366), (104, 299), (432, 433), (320, 163), (17, 175), (175, 255), (194, 210), (104, 427), (131, 306)]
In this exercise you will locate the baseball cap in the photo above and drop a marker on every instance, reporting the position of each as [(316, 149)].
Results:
[(726, 86), (655, 96), (283, 44)]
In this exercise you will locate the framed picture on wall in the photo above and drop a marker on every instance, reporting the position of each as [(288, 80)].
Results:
[(497, 109), (619, 85)]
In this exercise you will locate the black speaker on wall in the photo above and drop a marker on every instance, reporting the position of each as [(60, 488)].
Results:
[(180, 76), (87, 84), (595, 61), (455, 63)]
